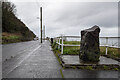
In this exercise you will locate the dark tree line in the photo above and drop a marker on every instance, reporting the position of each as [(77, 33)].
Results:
[(11, 24)]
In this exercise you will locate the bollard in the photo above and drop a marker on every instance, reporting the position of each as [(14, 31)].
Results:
[(51, 40)]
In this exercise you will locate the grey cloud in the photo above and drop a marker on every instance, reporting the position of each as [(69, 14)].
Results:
[(69, 18), (104, 14)]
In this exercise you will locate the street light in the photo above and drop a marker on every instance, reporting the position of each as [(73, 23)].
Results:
[(40, 21)]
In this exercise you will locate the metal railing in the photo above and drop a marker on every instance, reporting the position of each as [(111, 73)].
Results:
[(108, 42)]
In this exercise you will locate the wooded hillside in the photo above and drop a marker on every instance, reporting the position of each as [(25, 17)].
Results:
[(14, 30)]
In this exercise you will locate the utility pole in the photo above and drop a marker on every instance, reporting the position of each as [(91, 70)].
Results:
[(44, 32), (41, 22)]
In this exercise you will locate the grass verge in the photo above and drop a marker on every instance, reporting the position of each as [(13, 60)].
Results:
[(10, 38), (72, 42)]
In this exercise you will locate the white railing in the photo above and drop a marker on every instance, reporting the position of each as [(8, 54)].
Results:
[(106, 43)]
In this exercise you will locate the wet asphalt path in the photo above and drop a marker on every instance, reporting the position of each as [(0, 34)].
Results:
[(105, 74), (37, 62), (11, 50)]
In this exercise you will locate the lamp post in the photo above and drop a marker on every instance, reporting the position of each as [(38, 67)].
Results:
[(40, 22)]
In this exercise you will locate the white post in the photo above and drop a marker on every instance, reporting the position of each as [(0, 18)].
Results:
[(62, 46), (106, 45), (106, 51)]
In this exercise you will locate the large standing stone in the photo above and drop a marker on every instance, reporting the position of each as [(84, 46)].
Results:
[(89, 49)]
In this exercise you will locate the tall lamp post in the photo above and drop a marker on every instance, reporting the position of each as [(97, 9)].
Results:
[(41, 22)]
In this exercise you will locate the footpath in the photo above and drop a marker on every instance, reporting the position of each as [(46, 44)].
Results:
[(40, 63)]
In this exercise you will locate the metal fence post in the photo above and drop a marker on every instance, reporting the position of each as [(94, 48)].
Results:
[(62, 46), (106, 45)]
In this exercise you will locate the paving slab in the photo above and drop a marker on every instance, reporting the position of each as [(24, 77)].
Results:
[(74, 60), (82, 74)]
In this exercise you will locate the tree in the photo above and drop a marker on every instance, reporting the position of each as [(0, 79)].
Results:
[(9, 7)]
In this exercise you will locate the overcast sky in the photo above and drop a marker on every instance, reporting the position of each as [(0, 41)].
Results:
[(69, 17)]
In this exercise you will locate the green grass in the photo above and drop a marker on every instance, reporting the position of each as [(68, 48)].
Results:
[(106, 68), (75, 50), (10, 38), (56, 51), (114, 52), (72, 42), (89, 68), (116, 69), (71, 50), (14, 37), (74, 67), (61, 73)]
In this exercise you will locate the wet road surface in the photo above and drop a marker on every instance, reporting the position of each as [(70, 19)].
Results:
[(39, 61), (11, 50), (77, 73)]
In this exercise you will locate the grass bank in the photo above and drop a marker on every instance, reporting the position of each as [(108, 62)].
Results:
[(10, 38)]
